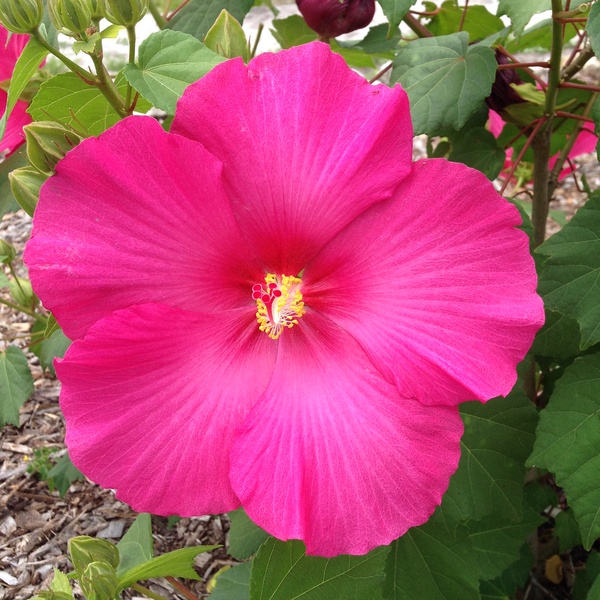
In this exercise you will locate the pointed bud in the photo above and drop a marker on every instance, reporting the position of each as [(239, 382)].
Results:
[(99, 581), (25, 184), (47, 143), (123, 12), (70, 16), (227, 38), (330, 18), (7, 252), (21, 16), (85, 550), (22, 293)]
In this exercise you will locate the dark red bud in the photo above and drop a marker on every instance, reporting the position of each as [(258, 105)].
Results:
[(330, 18), (503, 94)]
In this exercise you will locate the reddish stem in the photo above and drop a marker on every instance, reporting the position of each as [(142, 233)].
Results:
[(522, 153), (518, 65), (568, 115), (463, 16), (181, 588), (579, 86), (539, 80)]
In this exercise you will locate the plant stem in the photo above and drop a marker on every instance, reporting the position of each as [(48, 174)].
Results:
[(382, 72), (107, 86), (259, 31), (22, 309), (541, 142), (577, 64), (181, 588), (131, 38), (564, 153), (158, 18), (463, 16), (85, 75), (147, 592), (417, 26)]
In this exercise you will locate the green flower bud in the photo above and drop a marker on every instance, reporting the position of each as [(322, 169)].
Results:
[(70, 16), (85, 550), (25, 184), (123, 12), (227, 38), (20, 290), (7, 252), (99, 581), (47, 143), (21, 16)]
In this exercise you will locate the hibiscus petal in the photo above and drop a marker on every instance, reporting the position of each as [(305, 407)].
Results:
[(306, 144), (331, 449), (152, 396), (13, 134), (437, 285), (10, 50), (137, 215)]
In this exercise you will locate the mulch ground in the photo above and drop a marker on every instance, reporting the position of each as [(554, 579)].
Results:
[(36, 523)]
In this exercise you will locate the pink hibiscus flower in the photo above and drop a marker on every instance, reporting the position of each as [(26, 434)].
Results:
[(10, 50), (275, 308), (586, 142)]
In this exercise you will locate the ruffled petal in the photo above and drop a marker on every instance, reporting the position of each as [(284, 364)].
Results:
[(437, 285), (148, 223), (332, 455), (13, 134), (152, 396), (306, 144)]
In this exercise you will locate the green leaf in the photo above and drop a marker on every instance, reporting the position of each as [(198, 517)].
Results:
[(568, 442), (520, 11), (503, 587), (394, 11), (292, 31), (234, 583), (245, 538), (570, 279), (478, 22), (497, 543), (16, 384), (198, 16), (559, 337), (427, 562), (178, 563), (63, 474), (60, 582), (53, 347), (282, 571), (479, 149), (585, 578), (498, 438), (66, 99), (446, 80), (594, 593), (7, 200), (377, 41), (136, 546), (32, 56), (168, 62), (593, 28), (566, 530)]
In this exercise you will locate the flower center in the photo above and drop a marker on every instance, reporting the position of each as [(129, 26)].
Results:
[(279, 303)]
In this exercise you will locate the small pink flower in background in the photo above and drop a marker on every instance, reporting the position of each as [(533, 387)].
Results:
[(10, 50), (586, 142), (274, 308)]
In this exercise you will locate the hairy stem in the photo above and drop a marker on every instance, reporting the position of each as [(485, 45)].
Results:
[(85, 75), (24, 310)]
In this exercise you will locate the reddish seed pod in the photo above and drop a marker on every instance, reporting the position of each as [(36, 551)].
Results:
[(330, 18)]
